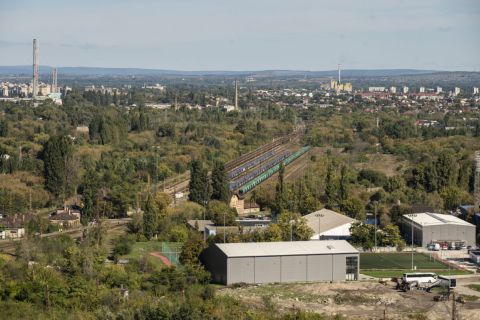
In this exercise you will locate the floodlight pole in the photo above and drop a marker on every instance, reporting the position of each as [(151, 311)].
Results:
[(412, 216), (319, 215)]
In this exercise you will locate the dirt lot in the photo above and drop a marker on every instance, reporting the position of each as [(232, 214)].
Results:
[(355, 300)]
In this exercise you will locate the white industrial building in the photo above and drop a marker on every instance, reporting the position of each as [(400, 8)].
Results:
[(437, 228), (291, 261), (329, 224)]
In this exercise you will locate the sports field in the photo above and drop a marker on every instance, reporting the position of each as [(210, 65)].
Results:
[(385, 265), (398, 261)]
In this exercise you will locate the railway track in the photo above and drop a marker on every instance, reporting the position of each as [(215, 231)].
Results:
[(182, 186)]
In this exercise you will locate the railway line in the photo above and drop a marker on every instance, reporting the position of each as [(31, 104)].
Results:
[(180, 183)]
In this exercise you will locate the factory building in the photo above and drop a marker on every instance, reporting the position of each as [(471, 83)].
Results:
[(437, 228), (294, 261)]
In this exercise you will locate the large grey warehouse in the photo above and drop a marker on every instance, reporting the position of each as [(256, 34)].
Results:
[(295, 261), (436, 228)]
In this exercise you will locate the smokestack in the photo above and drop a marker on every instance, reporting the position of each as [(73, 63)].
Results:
[(236, 95), (54, 80), (35, 69), (339, 67)]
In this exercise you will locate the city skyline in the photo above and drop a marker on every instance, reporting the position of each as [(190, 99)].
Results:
[(184, 35)]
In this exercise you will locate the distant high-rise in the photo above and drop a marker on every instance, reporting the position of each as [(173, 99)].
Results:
[(439, 90), (475, 90), (456, 91), (422, 89), (405, 90), (35, 69)]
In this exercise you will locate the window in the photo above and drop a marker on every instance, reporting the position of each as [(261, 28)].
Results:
[(351, 268)]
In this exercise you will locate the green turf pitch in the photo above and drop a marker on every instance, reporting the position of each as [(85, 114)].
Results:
[(398, 261)]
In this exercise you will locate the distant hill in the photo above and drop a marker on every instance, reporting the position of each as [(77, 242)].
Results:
[(92, 71)]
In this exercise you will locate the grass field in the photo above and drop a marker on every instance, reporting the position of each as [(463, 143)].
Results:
[(386, 265), (142, 249), (398, 261)]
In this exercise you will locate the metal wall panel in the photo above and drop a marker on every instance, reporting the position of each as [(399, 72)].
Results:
[(293, 268), (241, 270), (267, 269), (319, 267), (339, 264)]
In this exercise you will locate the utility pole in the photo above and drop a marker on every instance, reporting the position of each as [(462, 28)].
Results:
[(375, 216), (454, 307), (224, 229)]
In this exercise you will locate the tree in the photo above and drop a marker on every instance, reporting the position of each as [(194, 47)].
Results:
[(343, 189), (331, 186), (390, 236), (273, 233), (453, 197), (219, 212), (363, 235), (199, 188), (295, 226), (4, 128), (191, 250), (447, 169), (89, 188), (150, 218), (220, 189), (354, 207), (56, 154)]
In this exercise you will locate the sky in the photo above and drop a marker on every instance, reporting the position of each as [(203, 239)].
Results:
[(243, 34)]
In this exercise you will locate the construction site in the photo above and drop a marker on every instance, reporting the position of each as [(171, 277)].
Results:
[(364, 299)]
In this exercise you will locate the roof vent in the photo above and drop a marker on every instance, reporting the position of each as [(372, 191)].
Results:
[(330, 247)]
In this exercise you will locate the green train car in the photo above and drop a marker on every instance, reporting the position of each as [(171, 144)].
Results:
[(267, 174)]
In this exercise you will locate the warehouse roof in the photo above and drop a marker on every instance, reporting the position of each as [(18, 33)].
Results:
[(328, 221), (285, 248), (429, 219)]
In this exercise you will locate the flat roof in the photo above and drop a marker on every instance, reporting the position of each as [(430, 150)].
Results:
[(431, 219), (328, 221), (286, 248)]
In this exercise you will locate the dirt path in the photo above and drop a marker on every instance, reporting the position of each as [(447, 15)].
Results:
[(161, 257)]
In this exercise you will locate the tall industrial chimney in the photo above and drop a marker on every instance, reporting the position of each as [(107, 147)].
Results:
[(35, 69), (339, 67), (236, 95), (54, 80)]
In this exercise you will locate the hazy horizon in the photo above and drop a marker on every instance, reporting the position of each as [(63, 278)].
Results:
[(186, 35)]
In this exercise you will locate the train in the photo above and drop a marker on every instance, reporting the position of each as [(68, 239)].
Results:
[(242, 180), (267, 174)]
